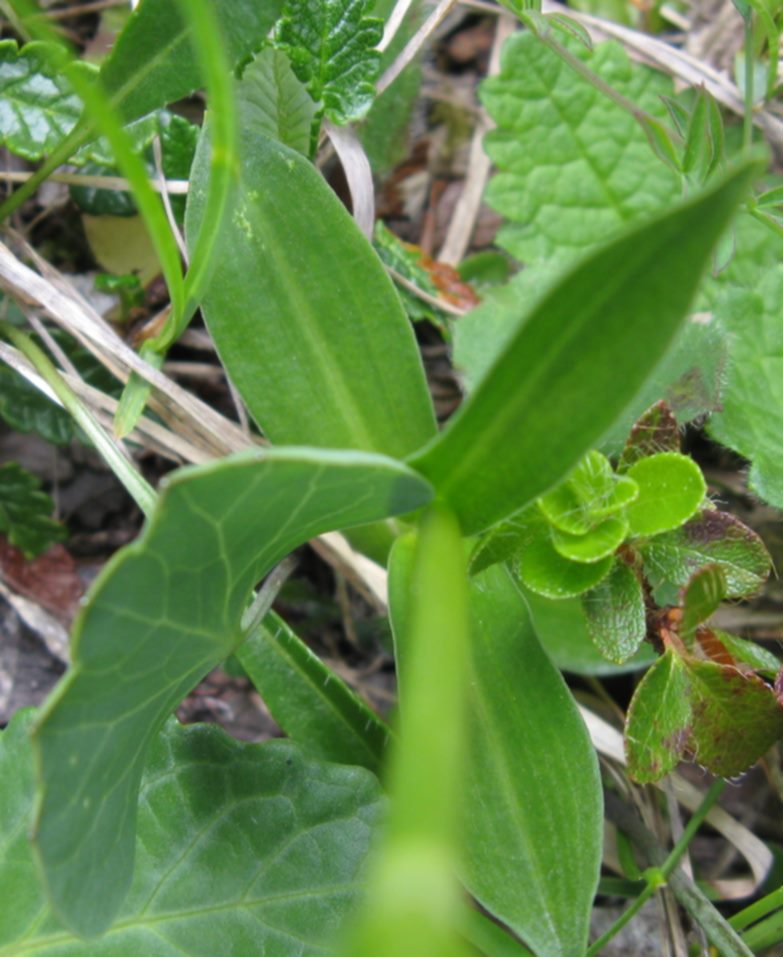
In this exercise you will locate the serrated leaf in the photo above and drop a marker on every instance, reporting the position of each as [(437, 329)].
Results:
[(656, 731), (38, 107), (655, 431), (25, 511), (751, 420), (203, 792), (574, 167), (594, 545), (271, 100), (671, 489), (544, 570), (615, 614), (712, 537), (331, 47), (285, 285), (701, 598), (164, 612)]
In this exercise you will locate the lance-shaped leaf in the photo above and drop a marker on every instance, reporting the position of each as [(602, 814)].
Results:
[(303, 314), (241, 848), (615, 614), (164, 612), (574, 363), (331, 47), (711, 538), (25, 511)]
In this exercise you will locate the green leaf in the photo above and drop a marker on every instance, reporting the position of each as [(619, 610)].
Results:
[(655, 431), (543, 570), (311, 703), (506, 539), (615, 614), (590, 494), (671, 489), (38, 107), (272, 101), (710, 538), (751, 420), (227, 836), (561, 627), (574, 167), (164, 612), (656, 732), (594, 545), (737, 717), (25, 511), (532, 801), (27, 409), (331, 47), (178, 141), (303, 314), (96, 201), (750, 653), (701, 598), (570, 369)]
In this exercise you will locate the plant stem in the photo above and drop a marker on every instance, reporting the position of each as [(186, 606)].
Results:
[(757, 909), (658, 876), (135, 484)]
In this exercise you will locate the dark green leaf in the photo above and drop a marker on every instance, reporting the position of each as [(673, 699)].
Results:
[(656, 431), (671, 489), (303, 314), (569, 371), (331, 47), (178, 140), (311, 703), (544, 570), (615, 614), (658, 720), (27, 409), (711, 538), (228, 834), (96, 201), (163, 613), (25, 511), (272, 101)]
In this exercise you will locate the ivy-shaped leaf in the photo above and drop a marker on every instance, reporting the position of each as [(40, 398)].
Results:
[(37, 105), (241, 848), (331, 47), (25, 511)]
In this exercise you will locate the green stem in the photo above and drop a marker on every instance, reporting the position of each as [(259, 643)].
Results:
[(658, 876), (135, 484), (757, 910), (747, 119)]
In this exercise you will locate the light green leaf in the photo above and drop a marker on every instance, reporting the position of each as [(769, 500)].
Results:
[(656, 731), (574, 167), (164, 612), (25, 511), (331, 47), (710, 538), (202, 794), (701, 598), (561, 627), (272, 101), (545, 571), (311, 703), (506, 540), (303, 314), (751, 420), (750, 653), (571, 368), (37, 104), (671, 489), (594, 545), (591, 493), (532, 805), (615, 614)]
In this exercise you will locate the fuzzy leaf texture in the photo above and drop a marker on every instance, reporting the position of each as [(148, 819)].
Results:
[(162, 614), (331, 47), (298, 832), (25, 511)]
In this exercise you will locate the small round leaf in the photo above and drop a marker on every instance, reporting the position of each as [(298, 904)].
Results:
[(671, 490), (603, 540), (547, 573)]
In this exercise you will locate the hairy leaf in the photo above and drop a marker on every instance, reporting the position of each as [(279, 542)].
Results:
[(571, 368), (25, 511), (331, 47), (303, 314), (545, 571), (164, 612), (202, 792), (272, 101), (615, 614), (671, 489), (655, 431)]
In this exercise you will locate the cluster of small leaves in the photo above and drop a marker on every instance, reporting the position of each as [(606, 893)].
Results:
[(25, 511), (627, 541)]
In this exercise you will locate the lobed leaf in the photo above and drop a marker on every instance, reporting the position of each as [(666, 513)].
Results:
[(164, 612), (277, 810), (25, 511), (304, 317), (571, 368)]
